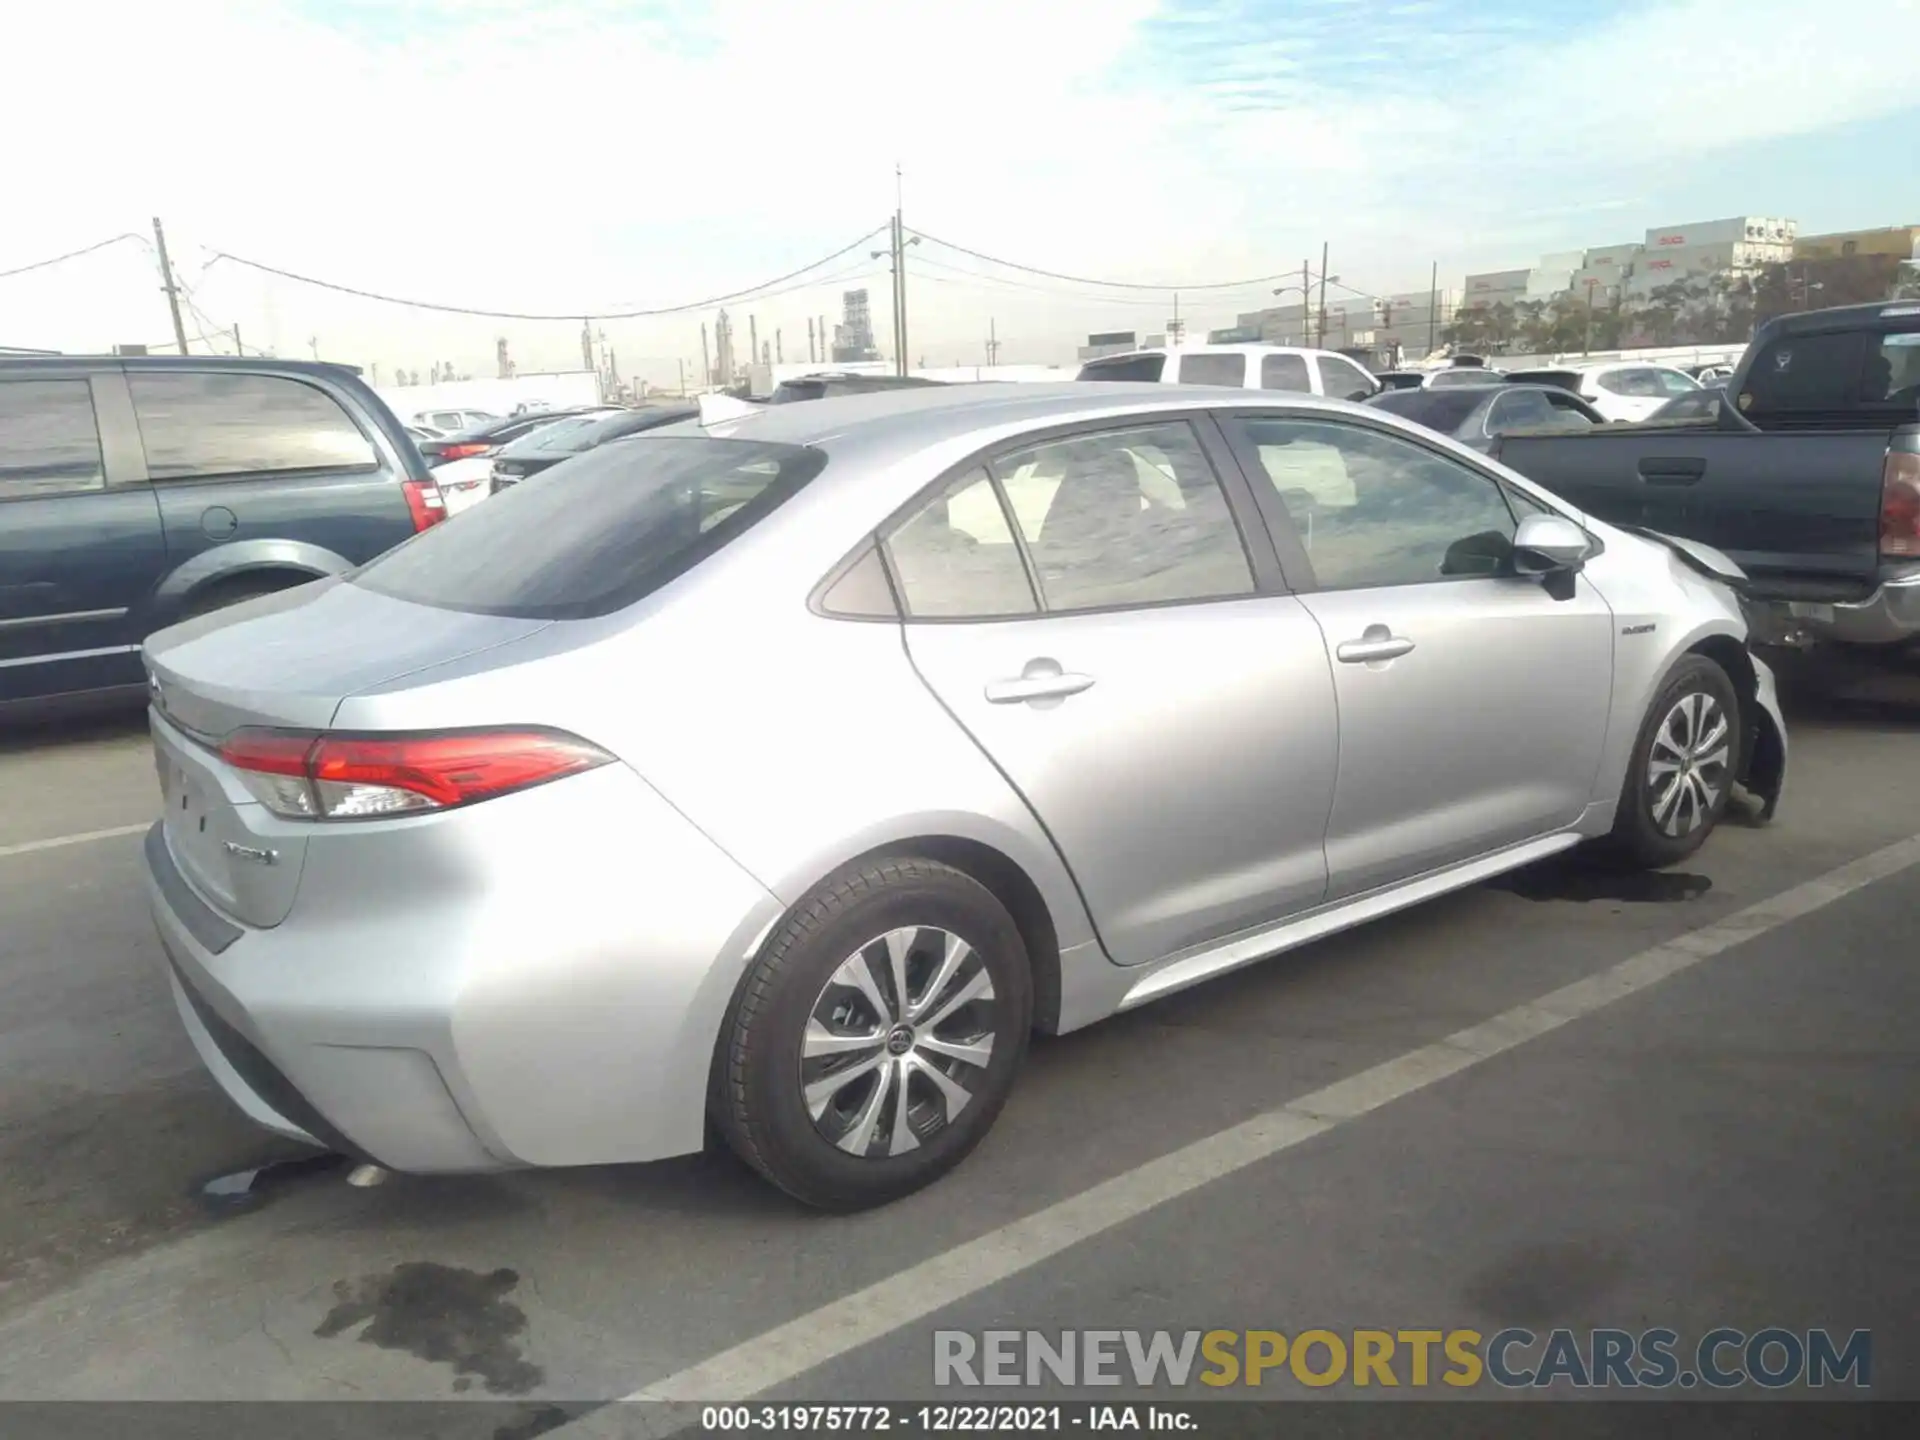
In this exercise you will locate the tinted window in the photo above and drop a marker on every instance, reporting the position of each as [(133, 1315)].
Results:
[(1700, 405), (1345, 380), (1672, 382), (1375, 510), (1226, 371), (565, 434), (956, 557), (1126, 517), (1442, 410), (789, 391), (1519, 409), (1806, 372), (1893, 371), (1446, 379), (598, 533), (1568, 413), (49, 444), (1285, 372), (1127, 367), (1568, 380), (205, 424)]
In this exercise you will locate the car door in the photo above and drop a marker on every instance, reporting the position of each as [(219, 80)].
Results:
[(80, 543), (238, 456), (1102, 614), (1473, 704)]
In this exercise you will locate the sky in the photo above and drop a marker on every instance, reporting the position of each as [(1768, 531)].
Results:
[(566, 157)]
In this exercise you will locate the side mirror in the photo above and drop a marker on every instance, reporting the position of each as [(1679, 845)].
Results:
[(1548, 545)]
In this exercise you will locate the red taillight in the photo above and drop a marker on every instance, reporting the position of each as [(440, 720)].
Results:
[(425, 503), (342, 777), (1900, 508), (466, 450)]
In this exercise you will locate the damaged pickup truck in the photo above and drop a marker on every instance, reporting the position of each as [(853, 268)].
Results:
[(1807, 476)]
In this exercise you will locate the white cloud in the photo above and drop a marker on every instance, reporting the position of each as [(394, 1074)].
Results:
[(545, 156)]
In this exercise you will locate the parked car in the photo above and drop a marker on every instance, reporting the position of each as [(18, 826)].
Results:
[(453, 418), (1456, 376), (1401, 379), (843, 382), (793, 768), (1626, 390), (420, 434), (138, 490), (1475, 414), (462, 461), (1810, 479), (547, 447), (1239, 367)]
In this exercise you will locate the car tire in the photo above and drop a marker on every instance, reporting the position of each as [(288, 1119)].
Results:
[(810, 1043), (1682, 773), (223, 596)]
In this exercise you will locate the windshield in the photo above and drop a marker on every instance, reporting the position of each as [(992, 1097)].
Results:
[(598, 533), (1445, 411)]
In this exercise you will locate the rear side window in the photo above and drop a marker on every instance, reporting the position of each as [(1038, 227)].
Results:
[(1146, 368), (1228, 372), (49, 443), (1516, 410), (1285, 372), (1345, 380), (594, 535), (202, 425)]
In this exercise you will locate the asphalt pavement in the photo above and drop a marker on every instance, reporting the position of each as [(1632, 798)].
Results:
[(1565, 1099)]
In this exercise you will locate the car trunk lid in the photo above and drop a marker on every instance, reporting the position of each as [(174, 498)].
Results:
[(285, 661)]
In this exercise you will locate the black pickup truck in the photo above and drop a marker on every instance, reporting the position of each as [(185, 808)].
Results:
[(1807, 475)]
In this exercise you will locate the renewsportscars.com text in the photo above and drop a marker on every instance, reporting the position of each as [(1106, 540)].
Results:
[(1770, 1358)]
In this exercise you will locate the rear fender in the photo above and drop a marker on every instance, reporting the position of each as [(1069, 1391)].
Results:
[(236, 558)]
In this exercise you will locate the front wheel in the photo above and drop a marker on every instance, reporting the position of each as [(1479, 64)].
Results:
[(877, 1035), (1683, 768)]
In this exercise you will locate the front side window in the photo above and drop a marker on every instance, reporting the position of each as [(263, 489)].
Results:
[(1225, 371), (1285, 372), (49, 442), (1345, 380), (597, 534), (1375, 510), (1125, 517), (201, 425), (955, 558)]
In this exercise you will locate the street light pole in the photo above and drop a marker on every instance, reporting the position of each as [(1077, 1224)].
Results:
[(1586, 347)]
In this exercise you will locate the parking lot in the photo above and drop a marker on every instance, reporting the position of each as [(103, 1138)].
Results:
[(1721, 1134)]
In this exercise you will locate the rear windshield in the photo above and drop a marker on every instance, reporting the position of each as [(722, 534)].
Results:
[(568, 434), (1130, 367), (1465, 375), (1443, 410), (596, 534)]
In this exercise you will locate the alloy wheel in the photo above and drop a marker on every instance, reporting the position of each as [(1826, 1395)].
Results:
[(1689, 763), (898, 1041)]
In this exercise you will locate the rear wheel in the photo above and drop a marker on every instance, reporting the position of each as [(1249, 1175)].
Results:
[(877, 1036), (1683, 768)]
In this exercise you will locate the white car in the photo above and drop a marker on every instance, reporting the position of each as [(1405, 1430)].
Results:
[(1625, 390), (453, 418), (1240, 367)]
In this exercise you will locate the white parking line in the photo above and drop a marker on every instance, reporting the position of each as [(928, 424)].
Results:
[(30, 847), (787, 1351)]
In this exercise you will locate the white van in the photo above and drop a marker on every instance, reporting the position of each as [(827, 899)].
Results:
[(1239, 367)]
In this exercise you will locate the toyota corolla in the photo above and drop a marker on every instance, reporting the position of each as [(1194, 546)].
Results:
[(790, 770)]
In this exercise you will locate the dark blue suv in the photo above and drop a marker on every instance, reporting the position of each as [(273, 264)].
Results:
[(136, 492)]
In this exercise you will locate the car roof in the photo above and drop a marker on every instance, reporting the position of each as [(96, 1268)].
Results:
[(1879, 315), (331, 369), (1236, 348)]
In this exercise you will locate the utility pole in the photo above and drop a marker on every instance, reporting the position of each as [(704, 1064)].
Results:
[(1306, 302), (238, 348), (313, 344), (753, 340), (586, 345), (811, 357), (779, 348), (1433, 308), (683, 378), (1323, 294), (171, 290), (1586, 345), (706, 362), (993, 343)]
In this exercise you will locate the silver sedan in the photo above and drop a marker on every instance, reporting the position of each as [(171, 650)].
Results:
[(791, 769)]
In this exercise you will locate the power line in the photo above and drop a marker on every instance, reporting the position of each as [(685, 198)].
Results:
[(71, 255), (751, 292), (958, 276), (1106, 284)]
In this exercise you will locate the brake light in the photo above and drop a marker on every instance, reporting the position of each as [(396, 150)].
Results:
[(1900, 508), (300, 775), (466, 450), (424, 502)]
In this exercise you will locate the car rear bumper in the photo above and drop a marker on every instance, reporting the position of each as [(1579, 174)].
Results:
[(1889, 616), (478, 992)]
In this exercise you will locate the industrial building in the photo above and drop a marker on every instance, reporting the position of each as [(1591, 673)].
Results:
[(1118, 342), (853, 336), (1902, 241), (1410, 322), (1613, 274)]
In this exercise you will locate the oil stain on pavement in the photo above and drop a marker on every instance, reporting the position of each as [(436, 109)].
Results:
[(444, 1315)]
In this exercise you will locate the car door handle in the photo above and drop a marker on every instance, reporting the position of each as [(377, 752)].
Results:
[(1677, 470), (1378, 643), (1055, 686)]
